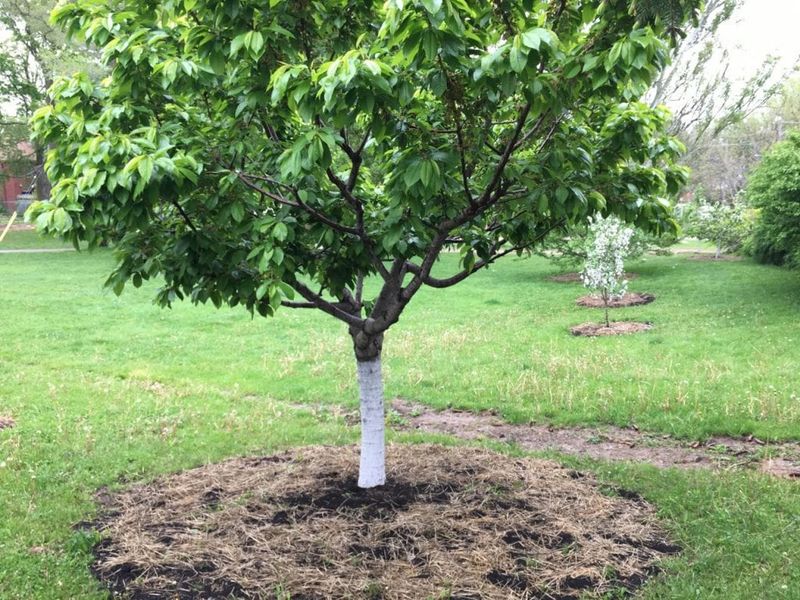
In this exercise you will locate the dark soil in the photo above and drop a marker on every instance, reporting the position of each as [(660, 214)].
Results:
[(6, 422), (575, 277), (451, 522), (629, 299), (615, 328), (608, 443)]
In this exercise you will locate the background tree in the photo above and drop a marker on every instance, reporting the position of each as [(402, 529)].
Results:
[(774, 190), (607, 248), (698, 87), (721, 167), (249, 153)]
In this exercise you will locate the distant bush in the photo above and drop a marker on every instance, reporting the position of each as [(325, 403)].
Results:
[(728, 227), (774, 191)]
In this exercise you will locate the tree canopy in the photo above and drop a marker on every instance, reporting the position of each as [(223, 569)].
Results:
[(251, 152)]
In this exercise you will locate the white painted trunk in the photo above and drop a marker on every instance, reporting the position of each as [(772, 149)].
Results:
[(372, 472)]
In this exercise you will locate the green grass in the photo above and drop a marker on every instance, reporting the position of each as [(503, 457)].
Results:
[(108, 390), (25, 239)]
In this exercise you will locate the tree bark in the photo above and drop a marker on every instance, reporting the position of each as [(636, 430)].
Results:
[(372, 470)]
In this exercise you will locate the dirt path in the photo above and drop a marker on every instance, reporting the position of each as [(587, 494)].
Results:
[(36, 250), (609, 443)]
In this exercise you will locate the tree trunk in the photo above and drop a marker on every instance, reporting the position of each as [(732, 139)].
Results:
[(719, 250), (372, 470)]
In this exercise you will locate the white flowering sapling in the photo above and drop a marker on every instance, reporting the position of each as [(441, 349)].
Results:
[(608, 247)]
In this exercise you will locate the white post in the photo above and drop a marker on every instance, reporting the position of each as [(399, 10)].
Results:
[(372, 472)]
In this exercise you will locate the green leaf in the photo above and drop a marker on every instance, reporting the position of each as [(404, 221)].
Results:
[(280, 232), (518, 57), (432, 6), (536, 37)]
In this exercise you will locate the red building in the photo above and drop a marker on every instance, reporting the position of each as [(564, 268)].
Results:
[(14, 179)]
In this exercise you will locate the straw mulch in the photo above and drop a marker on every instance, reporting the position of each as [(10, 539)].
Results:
[(458, 523), (615, 328)]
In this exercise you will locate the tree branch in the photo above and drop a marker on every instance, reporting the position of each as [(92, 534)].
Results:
[(331, 308)]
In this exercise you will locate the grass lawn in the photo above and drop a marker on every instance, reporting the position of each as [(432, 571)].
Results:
[(24, 240), (107, 390)]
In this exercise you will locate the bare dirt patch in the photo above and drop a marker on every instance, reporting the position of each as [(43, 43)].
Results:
[(575, 277), (461, 523), (629, 299), (615, 328), (6, 422), (608, 443), (780, 467)]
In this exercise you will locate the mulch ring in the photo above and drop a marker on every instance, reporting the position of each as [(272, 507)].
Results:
[(615, 328), (629, 299), (462, 523), (576, 277), (6, 422), (711, 256)]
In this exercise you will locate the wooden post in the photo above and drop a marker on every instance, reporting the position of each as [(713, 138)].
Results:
[(8, 226)]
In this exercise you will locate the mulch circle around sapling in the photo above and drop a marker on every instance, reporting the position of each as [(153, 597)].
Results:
[(615, 328), (576, 277), (629, 299), (712, 257), (462, 523)]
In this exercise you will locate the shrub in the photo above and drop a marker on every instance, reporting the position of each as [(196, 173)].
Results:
[(774, 191)]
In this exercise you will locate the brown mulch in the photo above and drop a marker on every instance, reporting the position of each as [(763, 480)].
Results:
[(616, 328), (576, 277), (629, 299), (607, 443), (461, 523), (6, 422), (712, 257)]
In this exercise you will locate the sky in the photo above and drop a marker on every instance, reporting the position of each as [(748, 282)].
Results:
[(761, 28)]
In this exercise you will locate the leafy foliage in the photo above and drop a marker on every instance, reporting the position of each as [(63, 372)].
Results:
[(774, 189), (247, 152), (608, 247)]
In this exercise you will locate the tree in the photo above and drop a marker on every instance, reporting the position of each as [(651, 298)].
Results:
[(608, 247), (250, 153), (727, 226), (774, 190), (720, 167), (698, 87)]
